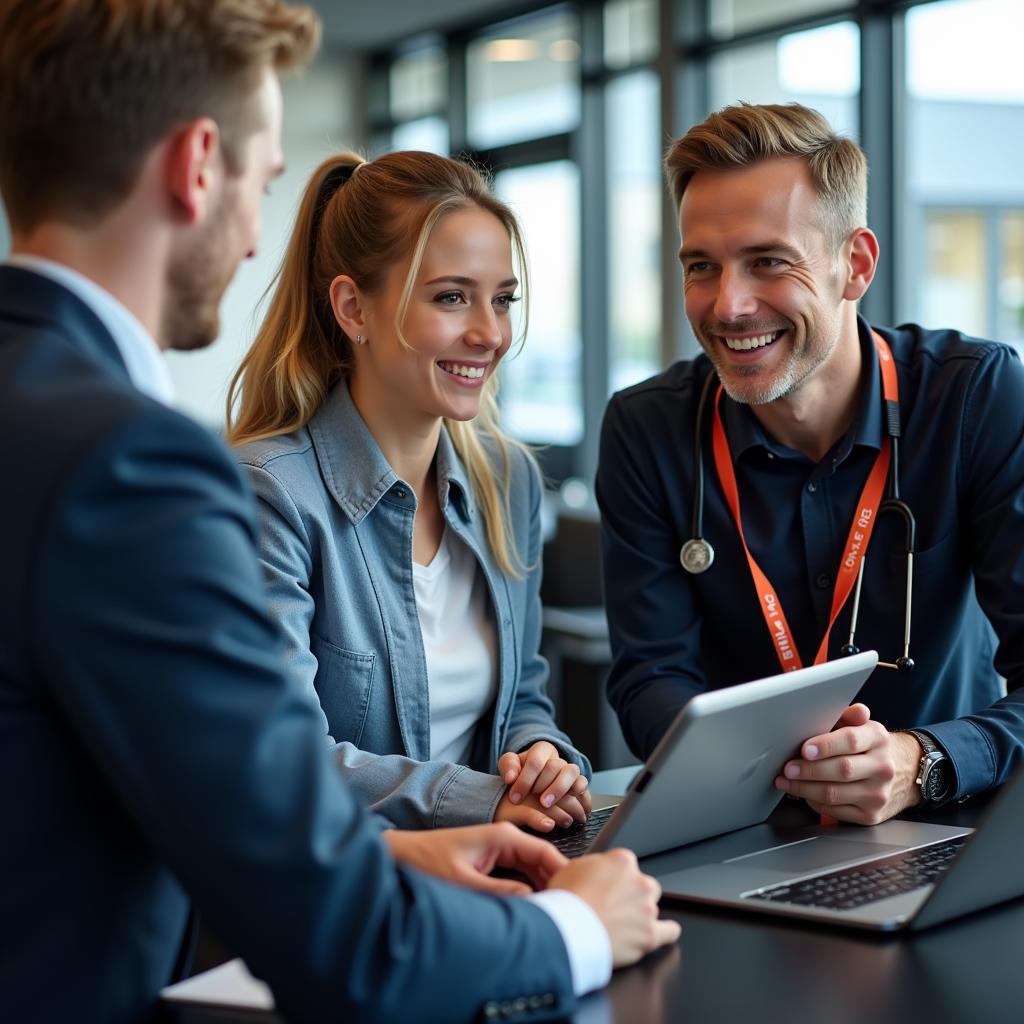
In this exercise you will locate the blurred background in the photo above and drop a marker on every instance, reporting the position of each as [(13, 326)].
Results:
[(571, 106)]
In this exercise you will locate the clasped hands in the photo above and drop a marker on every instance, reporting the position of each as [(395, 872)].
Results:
[(544, 789), (859, 772)]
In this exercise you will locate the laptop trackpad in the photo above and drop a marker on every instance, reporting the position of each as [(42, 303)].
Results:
[(812, 854)]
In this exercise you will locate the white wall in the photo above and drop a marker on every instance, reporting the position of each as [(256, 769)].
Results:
[(320, 116)]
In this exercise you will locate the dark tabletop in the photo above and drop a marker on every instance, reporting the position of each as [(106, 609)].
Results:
[(729, 966)]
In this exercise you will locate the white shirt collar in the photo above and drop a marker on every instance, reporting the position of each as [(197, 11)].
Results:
[(142, 357)]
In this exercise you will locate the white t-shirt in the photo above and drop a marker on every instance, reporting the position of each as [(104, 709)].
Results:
[(460, 643), (461, 646)]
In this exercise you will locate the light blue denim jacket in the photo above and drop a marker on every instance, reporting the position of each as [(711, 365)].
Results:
[(336, 546)]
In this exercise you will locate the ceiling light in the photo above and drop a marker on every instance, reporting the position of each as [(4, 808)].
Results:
[(564, 50), (507, 50)]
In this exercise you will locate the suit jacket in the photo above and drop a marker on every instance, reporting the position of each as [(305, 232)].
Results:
[(336, 527), (151, 749)]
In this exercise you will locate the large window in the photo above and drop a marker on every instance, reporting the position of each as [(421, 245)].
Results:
[(1010, 299), (733, 17), (541, 383), (572, 107), (633, 146), (964, 191), (818, 67), (523, 81), (417, 96), (953, 287), (630, 32), (426, 133), (418, 83)]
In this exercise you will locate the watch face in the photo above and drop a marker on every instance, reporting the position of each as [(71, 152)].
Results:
[(936, 780)]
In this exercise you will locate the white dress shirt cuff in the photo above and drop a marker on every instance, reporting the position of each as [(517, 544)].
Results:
[(586, 940)]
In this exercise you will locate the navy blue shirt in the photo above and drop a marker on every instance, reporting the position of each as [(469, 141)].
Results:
[(961, 472)]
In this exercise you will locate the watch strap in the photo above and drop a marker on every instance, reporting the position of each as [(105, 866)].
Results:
[(927, 743), (934, 764)]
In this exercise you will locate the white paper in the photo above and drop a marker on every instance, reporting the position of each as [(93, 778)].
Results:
[(231, 984)]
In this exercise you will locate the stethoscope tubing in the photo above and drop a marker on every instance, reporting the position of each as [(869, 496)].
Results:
[(892, 503)]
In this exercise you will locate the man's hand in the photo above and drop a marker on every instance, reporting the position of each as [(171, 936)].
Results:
[(543, 772), (467, 856), (859, 772), (623, 898)]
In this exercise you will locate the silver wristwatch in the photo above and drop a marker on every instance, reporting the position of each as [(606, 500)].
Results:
[(935, 776)]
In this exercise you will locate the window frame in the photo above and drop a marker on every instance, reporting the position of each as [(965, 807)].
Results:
[(686, 46)]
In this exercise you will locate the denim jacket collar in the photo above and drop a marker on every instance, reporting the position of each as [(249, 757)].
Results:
[(355, 470)]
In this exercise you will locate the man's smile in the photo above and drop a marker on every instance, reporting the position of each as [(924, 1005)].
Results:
[(752, 341)]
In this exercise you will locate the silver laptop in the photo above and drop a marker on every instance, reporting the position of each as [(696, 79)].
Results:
[(714, 769), (900, 874)]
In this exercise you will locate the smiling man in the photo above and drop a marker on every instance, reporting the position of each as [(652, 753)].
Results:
[(815, 454)]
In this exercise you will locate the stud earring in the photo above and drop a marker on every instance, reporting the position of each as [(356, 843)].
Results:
[(359, 339)]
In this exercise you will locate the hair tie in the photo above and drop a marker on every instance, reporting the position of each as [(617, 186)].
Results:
[(333, 180)]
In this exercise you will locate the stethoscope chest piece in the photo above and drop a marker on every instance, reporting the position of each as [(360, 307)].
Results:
[(696, 555)]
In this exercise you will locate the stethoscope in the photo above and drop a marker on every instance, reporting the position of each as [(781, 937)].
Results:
[(697, 554)]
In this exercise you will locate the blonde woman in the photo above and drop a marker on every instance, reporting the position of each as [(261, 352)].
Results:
[(400, 530)]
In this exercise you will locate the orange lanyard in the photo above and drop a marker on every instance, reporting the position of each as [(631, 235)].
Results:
[(856, 542)]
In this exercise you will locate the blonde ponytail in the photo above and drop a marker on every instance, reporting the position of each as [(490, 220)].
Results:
[(357, 218), (299, 351)]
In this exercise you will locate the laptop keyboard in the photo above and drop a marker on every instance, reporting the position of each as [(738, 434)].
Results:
[(576, 839), (850, 888)]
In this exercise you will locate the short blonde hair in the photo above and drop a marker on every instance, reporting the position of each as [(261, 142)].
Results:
[(746, 133)]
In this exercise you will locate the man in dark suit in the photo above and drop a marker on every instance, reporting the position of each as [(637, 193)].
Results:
[(150, 746)]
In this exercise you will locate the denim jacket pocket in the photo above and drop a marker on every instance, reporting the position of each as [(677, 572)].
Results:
[(344, 680)]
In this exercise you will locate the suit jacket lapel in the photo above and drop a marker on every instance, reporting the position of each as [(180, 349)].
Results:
[(34, 301)]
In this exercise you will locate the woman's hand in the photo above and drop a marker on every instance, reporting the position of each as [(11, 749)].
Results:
[(541, 780)]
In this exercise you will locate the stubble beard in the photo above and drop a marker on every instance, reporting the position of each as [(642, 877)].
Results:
[(743, 384), (196, 283)]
